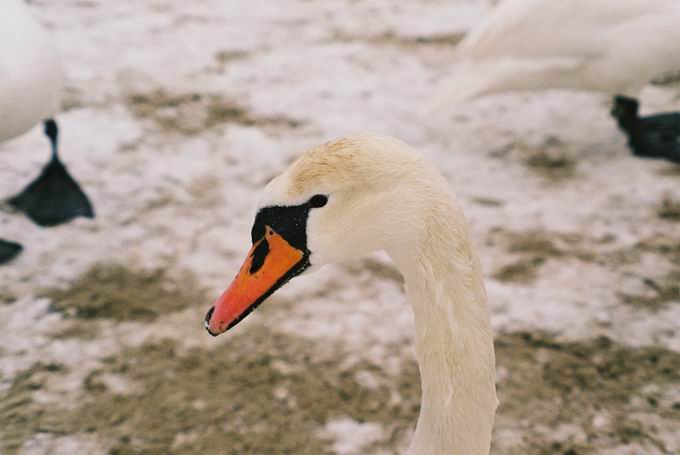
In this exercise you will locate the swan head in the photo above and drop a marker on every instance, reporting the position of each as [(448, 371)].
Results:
[(338, 201)]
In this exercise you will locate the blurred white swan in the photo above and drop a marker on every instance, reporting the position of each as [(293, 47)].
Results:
[(610, 46), (31, 81)]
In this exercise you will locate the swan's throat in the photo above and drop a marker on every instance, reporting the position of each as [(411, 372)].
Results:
[(454, 346)]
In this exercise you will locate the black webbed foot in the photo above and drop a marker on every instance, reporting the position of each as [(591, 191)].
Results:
[(657, 136), (8, 251), (54, 197)]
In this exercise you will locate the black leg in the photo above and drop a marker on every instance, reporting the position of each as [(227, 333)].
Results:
[(54, 197), (8, 251), (52, 133), (625, 111)]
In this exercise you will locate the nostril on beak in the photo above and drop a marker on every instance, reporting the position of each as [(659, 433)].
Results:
[(206, 321)]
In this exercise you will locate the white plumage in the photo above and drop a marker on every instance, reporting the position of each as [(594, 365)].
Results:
[(610, 46), (31, 75)]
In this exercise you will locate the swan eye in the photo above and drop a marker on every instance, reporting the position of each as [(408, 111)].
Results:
[(318, 200)]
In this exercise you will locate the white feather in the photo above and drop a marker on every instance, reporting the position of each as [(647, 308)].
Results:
[(610, 46), (31, 76)]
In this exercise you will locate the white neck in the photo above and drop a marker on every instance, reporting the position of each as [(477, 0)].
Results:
[(454, 339)]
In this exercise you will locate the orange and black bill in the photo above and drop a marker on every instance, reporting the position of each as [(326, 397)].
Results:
[(271, 262)]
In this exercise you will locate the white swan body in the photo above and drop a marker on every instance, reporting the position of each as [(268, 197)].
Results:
[(610, 46), (31, 75), (371, 192)]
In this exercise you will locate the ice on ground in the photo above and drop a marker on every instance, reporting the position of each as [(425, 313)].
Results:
[(176, 114), (351, 437)]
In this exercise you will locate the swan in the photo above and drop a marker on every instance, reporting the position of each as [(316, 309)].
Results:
[(31, 80), (610, 46), (370, 192)]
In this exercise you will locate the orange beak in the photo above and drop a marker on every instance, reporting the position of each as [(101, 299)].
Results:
[(271, 262)]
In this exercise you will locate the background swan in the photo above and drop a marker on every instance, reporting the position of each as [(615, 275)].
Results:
[(31, 80), (365, 193), (614, 47)]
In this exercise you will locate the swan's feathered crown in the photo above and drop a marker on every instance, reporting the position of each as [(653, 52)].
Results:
[(360, 160)]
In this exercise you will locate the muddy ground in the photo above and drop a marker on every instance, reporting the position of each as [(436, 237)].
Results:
[(176, 115)]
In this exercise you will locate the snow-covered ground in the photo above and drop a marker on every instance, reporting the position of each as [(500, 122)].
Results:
[(178, 113)]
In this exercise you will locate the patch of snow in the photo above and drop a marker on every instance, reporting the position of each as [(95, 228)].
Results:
[(350, 437)]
